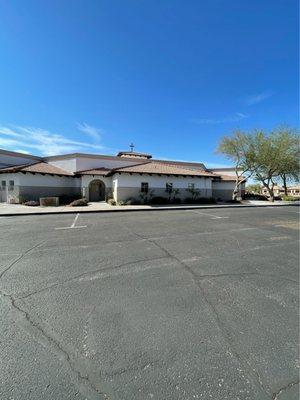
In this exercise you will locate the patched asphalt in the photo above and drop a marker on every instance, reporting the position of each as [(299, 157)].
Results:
[(173, 305)]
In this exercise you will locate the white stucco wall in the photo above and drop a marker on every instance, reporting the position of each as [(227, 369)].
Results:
[(33, 182), (135, 180), (47, 180), (8, 177), (84, 163), (5, 191), (224, 185)]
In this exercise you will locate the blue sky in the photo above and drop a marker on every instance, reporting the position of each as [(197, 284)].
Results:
[(170, 76)]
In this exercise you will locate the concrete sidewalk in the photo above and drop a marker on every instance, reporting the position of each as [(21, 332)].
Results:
[(18, 209)]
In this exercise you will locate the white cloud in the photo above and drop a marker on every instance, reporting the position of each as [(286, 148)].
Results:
[(89, 130), (216, 165), (22, 151), (44, 142), (230, 118), (257, 98)]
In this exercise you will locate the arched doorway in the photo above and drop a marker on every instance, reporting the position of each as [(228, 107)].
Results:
[(96, 190)]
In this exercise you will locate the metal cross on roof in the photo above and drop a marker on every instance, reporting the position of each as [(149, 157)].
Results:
[(131, 147)]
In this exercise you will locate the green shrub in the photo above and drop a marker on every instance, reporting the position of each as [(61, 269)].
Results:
[(121, 203), (111, 202), (79, 203), (176, 200), (290, 198)]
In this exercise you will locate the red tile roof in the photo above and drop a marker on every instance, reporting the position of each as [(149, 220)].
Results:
[(160, 168), (149, 167), (226, 177), (41, 168)]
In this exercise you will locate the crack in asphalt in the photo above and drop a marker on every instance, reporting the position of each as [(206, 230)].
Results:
[(251, 372), (276, 395), (143, 239), (6, 269), (91, 389), (88, 388), (74, 278), (246, 273)]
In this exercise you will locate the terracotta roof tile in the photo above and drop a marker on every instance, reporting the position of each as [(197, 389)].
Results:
[(153, 167), (230, 178), (41, 168)]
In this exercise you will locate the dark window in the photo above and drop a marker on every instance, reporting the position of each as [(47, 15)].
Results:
[(169, 186), (11, 185), (144, 187), (3, 183)]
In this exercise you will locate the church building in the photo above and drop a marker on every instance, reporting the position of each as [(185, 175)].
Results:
[(127, 175)]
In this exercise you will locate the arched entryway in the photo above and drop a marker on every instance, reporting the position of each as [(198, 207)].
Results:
[(96, 190)]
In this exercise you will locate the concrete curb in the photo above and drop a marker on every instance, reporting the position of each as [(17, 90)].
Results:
[(149, 209)]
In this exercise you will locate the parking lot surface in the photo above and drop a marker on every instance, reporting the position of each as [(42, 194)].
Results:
[(179, 305)]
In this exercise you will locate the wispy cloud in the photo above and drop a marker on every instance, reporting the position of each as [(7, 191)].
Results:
[(230, 118), (45, 142), (216, 165), (258, 98), (94, 133)]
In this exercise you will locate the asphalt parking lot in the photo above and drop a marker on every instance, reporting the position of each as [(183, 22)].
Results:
[(179, 305)]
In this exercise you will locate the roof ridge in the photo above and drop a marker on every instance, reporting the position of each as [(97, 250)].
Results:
[(134, 165), (93, 169)]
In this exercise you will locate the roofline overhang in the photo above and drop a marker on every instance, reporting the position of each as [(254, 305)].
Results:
[(18, 154), (117, 171)]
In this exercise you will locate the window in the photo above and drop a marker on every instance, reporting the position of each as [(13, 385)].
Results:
[(191, 186), (144, 187), (169, 186), (11, 185), (3, 184)]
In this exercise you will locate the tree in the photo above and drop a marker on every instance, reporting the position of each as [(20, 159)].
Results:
[(266, 159), (264, 155), (289, 170), (238, 150), (274, 155), (254, 188)]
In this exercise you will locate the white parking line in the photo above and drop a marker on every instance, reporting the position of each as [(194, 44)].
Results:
[(73, 225), (74, 222), (209, 215)]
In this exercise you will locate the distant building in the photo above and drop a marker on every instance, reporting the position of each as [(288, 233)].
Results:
[(127, 175), (293, 191)]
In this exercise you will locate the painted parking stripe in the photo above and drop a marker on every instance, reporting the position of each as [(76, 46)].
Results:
[(73, 224), (209, 215)]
